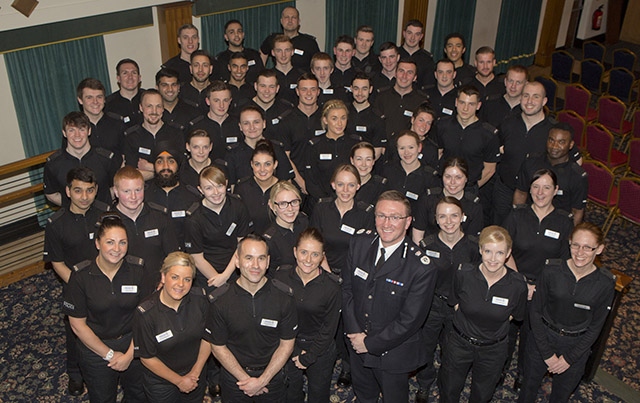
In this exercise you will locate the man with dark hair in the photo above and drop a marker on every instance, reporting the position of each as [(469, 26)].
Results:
[(363, 119), (189, 42), (385, 303), (443, 95), (234, 36), (68, 240), (252, 349), (176, 112), (364, 59), (389, 58), (287, 74), (193, 92), (344, 49), (454, 49), (107, 129), (275, 109), (241, 90), (125, 103), (497, 109), (77, 152), (304, 45), (412, 34), (484, 80)]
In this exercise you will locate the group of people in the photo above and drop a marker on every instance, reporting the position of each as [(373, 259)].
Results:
[(238, 229)]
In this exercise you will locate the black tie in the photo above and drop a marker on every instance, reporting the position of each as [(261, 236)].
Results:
[(380, 261)]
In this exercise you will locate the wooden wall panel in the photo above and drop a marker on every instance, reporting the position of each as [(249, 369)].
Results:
[(550, 30), (416, 10), (170, 18)]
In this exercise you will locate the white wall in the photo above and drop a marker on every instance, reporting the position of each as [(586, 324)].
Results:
[(485, 26), (11, 149), (310, 23)]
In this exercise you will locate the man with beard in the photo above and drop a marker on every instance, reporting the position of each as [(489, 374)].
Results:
[(125, 103), (166, 190), (193, 92), (363, 119), (485, 81), (234, 36), (189, 42), (176, 112)]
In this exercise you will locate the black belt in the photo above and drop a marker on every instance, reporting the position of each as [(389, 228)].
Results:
[(477, 342), (562, 332)]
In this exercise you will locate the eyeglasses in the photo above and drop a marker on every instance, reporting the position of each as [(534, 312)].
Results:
[(585, 248), (284, 204), (394, 218)]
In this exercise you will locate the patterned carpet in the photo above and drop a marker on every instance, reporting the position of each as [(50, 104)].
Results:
[(32, 336)]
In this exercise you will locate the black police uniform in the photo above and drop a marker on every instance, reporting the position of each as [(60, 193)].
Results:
[(180, 116), (274, 115), (370, 65), (573, 183), (282, 240), (173, 337), (295, 131), (397, 109), (390, 305), (494, 88), (222, 136), (318, 304), (343, 78), (496, 109), (478, 337), (367, 124), (566, 318), (256, 201), (413, 185), (180, 65), (425, 214), (425, 63), (251, 327), (381, 82), (446, 260), (254, 62), (189, 176), (239, 162), (442, 104), (304, 47), (333, 92), (370, 191), (108, 306), (103, 163), (108, 133), (288, 83), (127, 110), (241, 95), (140, 143), (194, 97), (177, 201), (150, 236), (464, 74), (338, 230), (216, 235)]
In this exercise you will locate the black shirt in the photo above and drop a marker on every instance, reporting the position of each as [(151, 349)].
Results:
[(140, 143), (397, 109), (370, 191), (534, 241), (180, 65), (240, 96), (343, 78), (239, 162), (425, 214), (107, 305), (127, 110), (496, 109), (413, 185), (254, 61), (333, 92), (282, 240), (464, 74), (274, 115), (304, 47), (295, 132), (288, 83), (181, 115), (367, 124), (194, 97), (495, 87), (256, 201), (177, 201), (108, 134), (443, 105), (426, 65), (222, 136), (370, 65), (251, 326)]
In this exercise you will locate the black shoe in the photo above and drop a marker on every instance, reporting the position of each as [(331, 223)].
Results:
[(76, 388), (214, 390), (344, 380), (517, 384), (422, 396)]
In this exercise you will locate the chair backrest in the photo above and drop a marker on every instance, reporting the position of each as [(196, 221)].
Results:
[(600, 182), (593, 50), (635, 130), (611, 112), (628, 197), (591, 72), (624, 58), (551, 88), (634, 157), (577, 98), (621, 83), (562, 65), (599, 142), (577, 122)]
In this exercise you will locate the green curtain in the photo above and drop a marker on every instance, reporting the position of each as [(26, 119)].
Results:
[(517, 31), (258, 23), (453, 16), (345, 16), (43, 84)]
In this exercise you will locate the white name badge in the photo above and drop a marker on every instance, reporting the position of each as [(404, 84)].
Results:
[(361, 273), (408, 113), (129, 289), (347, 229), (361, 128), (560, 192), (580, 306), (126, 119), (232, 140), (269, 322), (411, 195), (464, 218), (298, 52), (164, 336), (293, 86), (151, 233), (325, 157), (551, 234), (231, 228), (433, 253), (328, 91), (144, 151), (251, 63), (178, 214), (447, 111), (500, 301), (275, 121), (91, 235), (319, 132)]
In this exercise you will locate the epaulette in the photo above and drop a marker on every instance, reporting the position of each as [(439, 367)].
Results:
[(337, 279), (82, 265), (54, 155), (196, 120), (417, 252), (132, 129), (553, 262), (234, 196), (356, 137), (491, 128), (269, 233), (192, 209), (288, 104), (56, 215), (146, 305), (176, 125), (520, 206), (430, 170), (428, 240), (365, 206), (158, 207), (325, 200), (190, 102), (219, 162), (315, 140), (245, 179), (285, 267), (282, 287), (473, 238), (472, 197), (193, 190), (535, 155), (232, 146), (104, 152), (138, 261), (466, 267), (435, 191), (384, 89), (363, 231), (565, 213), (218, 292), (277, 142), (114, 115), (100, 205), (552, 120), (427, 88), (493, 97), (578, 169), (380, 179), (607, 274), (199, 291)]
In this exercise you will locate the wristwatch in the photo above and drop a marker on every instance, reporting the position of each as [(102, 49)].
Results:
[(109, 356)]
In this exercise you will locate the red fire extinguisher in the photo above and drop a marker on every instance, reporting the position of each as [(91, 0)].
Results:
[(596, 21)]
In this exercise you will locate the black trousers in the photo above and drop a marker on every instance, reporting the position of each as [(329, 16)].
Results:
[(159, 390), (368, 383), (318, 376), (73, 364), (434, 330), (502, 201), (231, 393)]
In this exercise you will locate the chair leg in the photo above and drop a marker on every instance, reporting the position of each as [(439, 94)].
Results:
[(608, 222)]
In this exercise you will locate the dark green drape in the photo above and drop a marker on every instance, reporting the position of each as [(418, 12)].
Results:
[(345, 16), (453, 16), (258, 23), (517, 31), (43, 84)]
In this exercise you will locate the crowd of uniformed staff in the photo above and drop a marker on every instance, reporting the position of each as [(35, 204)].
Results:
[(240, 231)]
